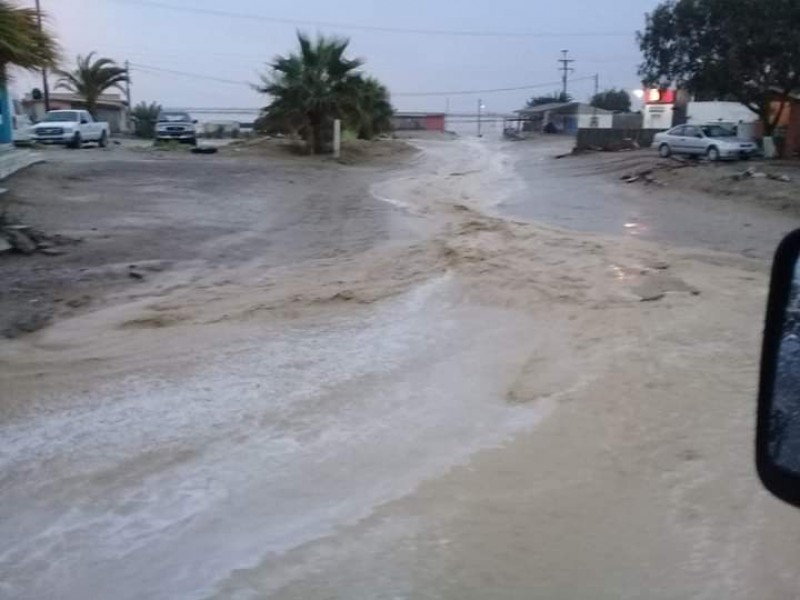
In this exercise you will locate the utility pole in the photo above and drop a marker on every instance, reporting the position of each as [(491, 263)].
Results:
[(565, 70), (446, 111), (480, 109), (128, 93), (45, 87), (594, 105)]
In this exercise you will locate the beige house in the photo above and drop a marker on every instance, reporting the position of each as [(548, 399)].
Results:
[(110, 108)]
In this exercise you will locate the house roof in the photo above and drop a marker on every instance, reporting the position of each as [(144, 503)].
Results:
[(418, 114), (106, 100), (563, 108)]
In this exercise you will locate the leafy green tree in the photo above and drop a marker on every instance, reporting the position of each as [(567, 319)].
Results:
[(612, 99), (91, 78), (21, 43), (312, 87), (371, 110), (743, 49), (549, 99), (144, 118)]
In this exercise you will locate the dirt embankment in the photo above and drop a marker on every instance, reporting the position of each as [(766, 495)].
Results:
[(776, 184), (354, 152), (134, 216)]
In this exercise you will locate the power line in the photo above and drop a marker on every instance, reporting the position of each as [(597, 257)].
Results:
[(374, 28), (532, 86), (152, 69)]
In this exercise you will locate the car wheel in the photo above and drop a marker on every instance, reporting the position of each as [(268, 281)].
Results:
[(664, 151), (713, 154), (76, 142), (103, 141)]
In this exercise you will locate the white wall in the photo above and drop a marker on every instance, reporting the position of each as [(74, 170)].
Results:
[(657, 116), (706, 112), (604, 121)]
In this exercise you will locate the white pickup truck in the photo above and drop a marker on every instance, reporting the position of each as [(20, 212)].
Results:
[(71, 128)]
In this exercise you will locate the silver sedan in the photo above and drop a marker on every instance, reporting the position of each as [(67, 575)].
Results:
[(713, 141)]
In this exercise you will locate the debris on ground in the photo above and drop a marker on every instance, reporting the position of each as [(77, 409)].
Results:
[(752, 173), (24, 239), (777, 177), (204, 150), (645, 175)]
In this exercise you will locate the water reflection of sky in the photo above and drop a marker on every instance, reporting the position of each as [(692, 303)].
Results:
[(785, 421)]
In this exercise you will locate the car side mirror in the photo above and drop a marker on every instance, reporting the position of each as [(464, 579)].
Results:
[(778, 429), (84, 121), (194, 121), (699, 135)]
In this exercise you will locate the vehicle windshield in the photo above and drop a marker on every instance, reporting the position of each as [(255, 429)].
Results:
[(718, 131), (175, 117), (61, 115)]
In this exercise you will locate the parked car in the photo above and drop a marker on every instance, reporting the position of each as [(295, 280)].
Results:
[(176, 125), (715, 141), (71, 128)]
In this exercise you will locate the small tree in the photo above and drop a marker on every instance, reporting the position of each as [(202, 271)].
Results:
[(549, 99), (91, 78), (311, 88), (22, 44), (371, 111), (743, 49), (612, 99), (144, 118)]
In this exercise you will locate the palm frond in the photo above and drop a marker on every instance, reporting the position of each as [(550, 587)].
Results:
[(91, 78), (22, 44)]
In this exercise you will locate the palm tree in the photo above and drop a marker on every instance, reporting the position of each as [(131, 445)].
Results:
[(144, 117), (372, 110), (91, 78), (312, 87), (22, 43)]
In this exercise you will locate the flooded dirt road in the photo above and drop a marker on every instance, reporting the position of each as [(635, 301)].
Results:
[(484, 409), (573, 193)]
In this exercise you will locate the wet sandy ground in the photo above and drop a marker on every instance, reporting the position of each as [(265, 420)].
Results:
[(584, 193), (483, 409), (163, 212)]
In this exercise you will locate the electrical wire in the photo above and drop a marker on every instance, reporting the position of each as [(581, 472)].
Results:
[(532, 86), (373, 28), (152, 69)]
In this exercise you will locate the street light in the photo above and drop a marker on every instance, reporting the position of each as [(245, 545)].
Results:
[(481, 108)]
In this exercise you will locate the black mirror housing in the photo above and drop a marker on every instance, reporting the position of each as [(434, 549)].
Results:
[(778, 428)]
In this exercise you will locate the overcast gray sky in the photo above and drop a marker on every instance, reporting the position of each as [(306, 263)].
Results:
[(599, 35)]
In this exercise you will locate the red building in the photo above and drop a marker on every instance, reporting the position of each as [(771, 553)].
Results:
[(418, 121)]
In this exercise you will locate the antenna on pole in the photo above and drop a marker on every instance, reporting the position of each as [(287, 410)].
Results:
[(565, 70)]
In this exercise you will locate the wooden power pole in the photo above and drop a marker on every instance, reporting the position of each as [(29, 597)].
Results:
[(45, 86)]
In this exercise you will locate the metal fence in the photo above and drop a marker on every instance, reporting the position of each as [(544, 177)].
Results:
[(614, 138)]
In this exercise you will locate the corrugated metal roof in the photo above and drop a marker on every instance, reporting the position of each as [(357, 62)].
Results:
[(565, 107)]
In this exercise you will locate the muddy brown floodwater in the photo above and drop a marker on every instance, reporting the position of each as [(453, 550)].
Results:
[(435, 402)]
